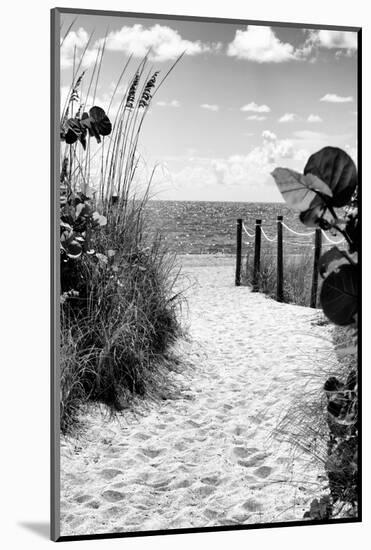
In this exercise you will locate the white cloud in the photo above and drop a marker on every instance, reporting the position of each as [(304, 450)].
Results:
[(163, 42), (314, 118), (268, 135), (209, 107), (75, 41), (287, 117), (337, 39), (255, 108), (256, 117), (260, 44), (334, 98), (172, 103), (241, 173), (343, 43)]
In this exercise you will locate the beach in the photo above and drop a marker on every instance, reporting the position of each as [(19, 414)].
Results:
[(206, 456)]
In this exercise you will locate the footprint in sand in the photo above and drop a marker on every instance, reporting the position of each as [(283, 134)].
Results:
[(263, 471), (110, 473), (203, 490), (193, 424), (77, 521), (94, 504), (183, 484), (243, 452), (252, 505), (141, 436), (211, 480), (181, 446), (253, 461), (161, 485), (211, 514), (83, 498), (112, 496), (152, 453)]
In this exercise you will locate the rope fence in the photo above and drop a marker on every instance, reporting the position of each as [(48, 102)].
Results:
[(298, 240)]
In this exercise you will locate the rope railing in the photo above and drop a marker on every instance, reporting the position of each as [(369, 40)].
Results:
[(307, 234), (297, 233), (246, 231), (295, 241), (331, 241), (268, 238)]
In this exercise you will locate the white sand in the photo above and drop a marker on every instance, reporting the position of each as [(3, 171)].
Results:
[(207, 457)]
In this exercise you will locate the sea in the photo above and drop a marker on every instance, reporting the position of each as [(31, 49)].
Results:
[(205, 227)]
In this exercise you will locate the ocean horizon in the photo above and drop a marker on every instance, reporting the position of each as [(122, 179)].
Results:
[(209, 227)]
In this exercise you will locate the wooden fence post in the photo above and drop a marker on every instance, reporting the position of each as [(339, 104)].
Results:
[(279, 289), (317, 254), (256, 274), (238, 252)]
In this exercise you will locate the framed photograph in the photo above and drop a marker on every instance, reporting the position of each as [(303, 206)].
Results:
[(206, 214)]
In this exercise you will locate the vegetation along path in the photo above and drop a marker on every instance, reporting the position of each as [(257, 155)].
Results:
[(206, 456)]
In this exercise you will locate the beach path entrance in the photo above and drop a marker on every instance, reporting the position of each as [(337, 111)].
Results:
[(208, 455)]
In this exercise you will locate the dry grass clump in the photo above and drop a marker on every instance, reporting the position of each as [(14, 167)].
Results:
[(297, 275), (322, 425), (119, 312)]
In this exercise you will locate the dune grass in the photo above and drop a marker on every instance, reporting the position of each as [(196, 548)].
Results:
[(309, 426), (119, 312), (297, 274)]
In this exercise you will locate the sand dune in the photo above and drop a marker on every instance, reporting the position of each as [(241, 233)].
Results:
[(206, 457)]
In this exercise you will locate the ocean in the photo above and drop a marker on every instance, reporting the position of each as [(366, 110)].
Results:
[(190, 227)]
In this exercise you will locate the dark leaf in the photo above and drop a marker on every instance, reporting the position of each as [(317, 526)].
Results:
[(335, 167), (73, 248), (317, 215), (339, 295), (75, 131), (352, 230), (331, 260), (313, 215), (101, 120)]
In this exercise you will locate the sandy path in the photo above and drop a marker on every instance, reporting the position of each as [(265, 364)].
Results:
[(207, 457)]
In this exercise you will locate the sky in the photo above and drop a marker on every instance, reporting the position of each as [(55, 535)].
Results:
[(243, 100)]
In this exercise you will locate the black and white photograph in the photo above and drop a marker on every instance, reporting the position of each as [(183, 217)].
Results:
[(206, 282)]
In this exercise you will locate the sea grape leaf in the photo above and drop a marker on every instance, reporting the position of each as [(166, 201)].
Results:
[(75, 131), (315, 183), (339, 295), (301, 192), (312, 215), (331, 260), (80, 208), (352, 229), (73, 248), (334, 167), (66, 231), (97, 123), (103, 123)]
